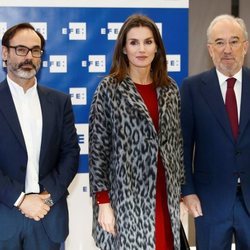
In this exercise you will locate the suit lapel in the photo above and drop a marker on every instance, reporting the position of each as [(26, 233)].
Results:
[(245, 106), (211, 92), (7, 108), (46, 102)]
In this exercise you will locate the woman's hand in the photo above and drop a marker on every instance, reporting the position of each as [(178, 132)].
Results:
[(106, 218)]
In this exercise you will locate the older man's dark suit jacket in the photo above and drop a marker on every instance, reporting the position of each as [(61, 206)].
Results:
[(208, 139), (58, 162)]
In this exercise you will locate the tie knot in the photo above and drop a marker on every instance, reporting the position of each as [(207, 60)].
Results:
[(230, 82)]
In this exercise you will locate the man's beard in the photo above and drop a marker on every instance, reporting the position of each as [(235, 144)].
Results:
[(27, 74)]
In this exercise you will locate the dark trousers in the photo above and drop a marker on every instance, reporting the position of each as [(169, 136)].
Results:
[(30, 236), (218, 235)]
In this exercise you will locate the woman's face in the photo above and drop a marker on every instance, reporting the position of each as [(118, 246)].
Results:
[(140, 47)]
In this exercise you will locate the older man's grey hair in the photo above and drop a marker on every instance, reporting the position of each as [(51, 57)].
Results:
[(219, 18)]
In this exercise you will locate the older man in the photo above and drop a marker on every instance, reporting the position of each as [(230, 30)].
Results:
[(216, 129)]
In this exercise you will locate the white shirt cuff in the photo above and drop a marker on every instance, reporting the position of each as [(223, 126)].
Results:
[(20, 198)]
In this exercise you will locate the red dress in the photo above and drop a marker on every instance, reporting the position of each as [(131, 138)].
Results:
[(163, 231)]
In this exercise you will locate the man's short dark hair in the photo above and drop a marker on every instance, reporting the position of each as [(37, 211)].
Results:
[(10, 33)]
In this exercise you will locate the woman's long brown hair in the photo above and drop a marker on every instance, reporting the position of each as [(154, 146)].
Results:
[(120, 65)]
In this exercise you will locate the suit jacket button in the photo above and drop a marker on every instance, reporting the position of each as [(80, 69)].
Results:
[(238, 152), (23, 168)]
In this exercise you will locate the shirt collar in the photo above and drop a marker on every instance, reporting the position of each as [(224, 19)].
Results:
[(222, 78), (17, 89)]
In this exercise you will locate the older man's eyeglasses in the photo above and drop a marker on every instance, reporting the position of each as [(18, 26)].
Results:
[(234, 43), (23, 51)]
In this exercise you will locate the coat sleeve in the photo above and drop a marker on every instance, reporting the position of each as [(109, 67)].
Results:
[(187, 122), (100, 139), (180, 141)]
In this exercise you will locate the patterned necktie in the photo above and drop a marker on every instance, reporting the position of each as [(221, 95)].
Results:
[(231, 106)]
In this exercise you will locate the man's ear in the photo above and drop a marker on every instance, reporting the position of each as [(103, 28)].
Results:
[(4, 53), (210, 50)]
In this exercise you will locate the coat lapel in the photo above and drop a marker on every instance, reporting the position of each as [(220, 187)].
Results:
[(211, 92), (7, 108), (165, 106), (245, 102), (134, 99)]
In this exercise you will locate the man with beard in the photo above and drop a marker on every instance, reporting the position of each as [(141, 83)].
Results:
[(39, 150), (215, 114)]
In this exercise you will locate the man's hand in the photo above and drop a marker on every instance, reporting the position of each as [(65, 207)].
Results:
[(33, 206), (106, 218), (193, 204)]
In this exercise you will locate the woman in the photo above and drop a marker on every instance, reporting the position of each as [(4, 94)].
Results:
[(135, 155)]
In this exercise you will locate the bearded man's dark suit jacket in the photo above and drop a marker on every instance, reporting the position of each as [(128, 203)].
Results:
[(58, 162), (209, 147)]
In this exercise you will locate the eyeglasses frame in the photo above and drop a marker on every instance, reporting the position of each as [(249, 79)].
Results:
[(28, 50)]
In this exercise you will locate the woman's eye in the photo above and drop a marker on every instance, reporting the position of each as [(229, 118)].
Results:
[(133, 42)]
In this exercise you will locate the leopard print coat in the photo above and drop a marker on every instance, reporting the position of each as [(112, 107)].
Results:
[(123, 150)]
